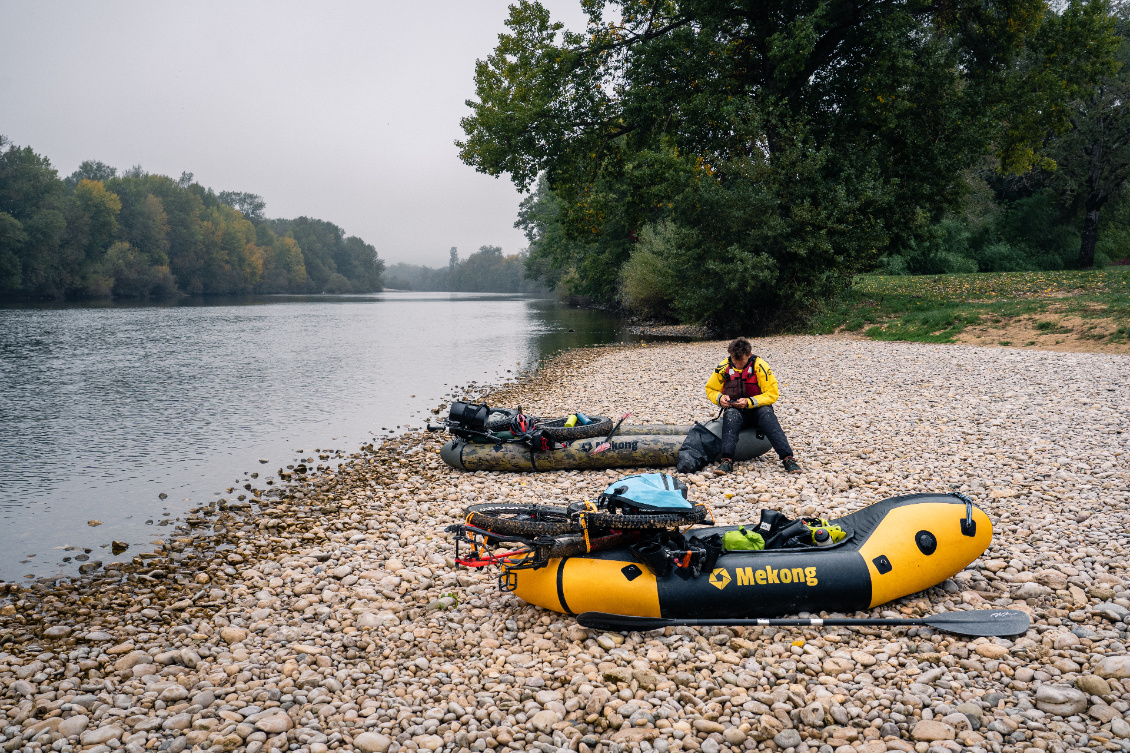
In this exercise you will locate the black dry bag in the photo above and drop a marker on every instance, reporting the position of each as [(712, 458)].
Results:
[(700, 448), (469, 415)]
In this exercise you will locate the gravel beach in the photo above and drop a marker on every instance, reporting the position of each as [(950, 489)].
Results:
[(322, 611)]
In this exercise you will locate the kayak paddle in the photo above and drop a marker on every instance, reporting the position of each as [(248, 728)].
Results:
[(607, 443), (983, 622)]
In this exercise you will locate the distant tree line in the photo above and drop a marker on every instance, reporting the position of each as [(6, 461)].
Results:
[(98, 234), (485, 271)]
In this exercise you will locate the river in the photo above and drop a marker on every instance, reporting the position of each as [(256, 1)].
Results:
[(105, 408)]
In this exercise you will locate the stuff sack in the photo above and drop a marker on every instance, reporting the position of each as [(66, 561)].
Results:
[(699, 449), (742, 540), (652, 492)]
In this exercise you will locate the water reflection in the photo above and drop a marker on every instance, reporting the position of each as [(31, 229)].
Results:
[(106, 406)]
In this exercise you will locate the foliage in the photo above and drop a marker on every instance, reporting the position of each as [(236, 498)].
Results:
[(136, 235), (485, 271), (938, 308), (788, 145), (1093, 157)]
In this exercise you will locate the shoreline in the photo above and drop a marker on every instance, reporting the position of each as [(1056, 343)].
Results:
[(334, 619)]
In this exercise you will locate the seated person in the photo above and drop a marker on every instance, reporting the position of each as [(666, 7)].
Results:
[(744, 386)]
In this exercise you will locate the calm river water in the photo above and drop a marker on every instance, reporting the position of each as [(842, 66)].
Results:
[(102, 409)]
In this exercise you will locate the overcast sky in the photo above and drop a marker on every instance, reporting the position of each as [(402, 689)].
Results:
[(344, 111)]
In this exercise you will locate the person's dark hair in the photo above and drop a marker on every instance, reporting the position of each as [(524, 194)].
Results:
[(739, 348)]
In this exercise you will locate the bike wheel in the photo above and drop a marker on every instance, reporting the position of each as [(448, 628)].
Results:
[(646, 521), (522, 520), (559, 432)]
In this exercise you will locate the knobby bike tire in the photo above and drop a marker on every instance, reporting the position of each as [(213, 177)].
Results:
[(522, 520), (697, 514), (546, 520), (559, 432)]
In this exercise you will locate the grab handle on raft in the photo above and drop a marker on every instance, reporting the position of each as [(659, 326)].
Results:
[(968, 525)]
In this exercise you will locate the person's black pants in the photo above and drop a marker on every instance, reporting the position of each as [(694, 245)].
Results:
[(763, 419)]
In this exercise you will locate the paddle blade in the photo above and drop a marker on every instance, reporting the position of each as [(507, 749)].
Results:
[(986, 622), (601, 448), (615, 622)]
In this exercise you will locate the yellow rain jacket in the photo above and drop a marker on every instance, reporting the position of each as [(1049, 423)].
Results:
[(765, 381)]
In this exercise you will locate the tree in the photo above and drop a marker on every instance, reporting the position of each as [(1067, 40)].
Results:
[(91, 170), (249, 205), (787, 145), (1093, 158)]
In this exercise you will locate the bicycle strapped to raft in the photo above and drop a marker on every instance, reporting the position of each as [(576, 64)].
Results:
[(477, 422), (627, 512)]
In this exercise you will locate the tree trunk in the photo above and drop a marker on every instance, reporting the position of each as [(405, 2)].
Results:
[(1090, 232)]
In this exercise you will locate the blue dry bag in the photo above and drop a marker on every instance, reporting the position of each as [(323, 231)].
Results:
[(647, 491)]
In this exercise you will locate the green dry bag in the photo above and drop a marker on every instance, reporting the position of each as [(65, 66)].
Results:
[(742, 540)]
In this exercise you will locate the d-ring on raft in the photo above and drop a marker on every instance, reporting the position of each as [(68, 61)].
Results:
[(895, 548)]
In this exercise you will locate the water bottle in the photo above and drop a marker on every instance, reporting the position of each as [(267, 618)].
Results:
[(571, 420), (821, 537), (583, 420)]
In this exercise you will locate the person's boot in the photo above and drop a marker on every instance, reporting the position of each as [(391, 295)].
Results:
[(790, 464), (725, 465)]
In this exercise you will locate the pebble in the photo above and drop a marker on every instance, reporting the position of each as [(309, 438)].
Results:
[(1060, 700), (332, 618)]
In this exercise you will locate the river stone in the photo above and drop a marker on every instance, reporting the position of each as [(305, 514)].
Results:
[(710, 745), (275, 723), (177, 722), (991, 651), (1119, 727), (734, 736), (1031, 591), (635, 735), (1116, 667), (75, 725), (766, 728), (617, 674), (647, 680), (929, 730), (813, 715), (1060, 700), (707, 726), (57, 631), (173, 693), (788, 738), (1102, 712), (368, 620), (101, 735), (1092, 685), (131, 660), (372, 742), (232, 635), (543, 721)]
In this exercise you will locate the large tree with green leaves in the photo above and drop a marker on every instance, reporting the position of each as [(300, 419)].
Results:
[(782, 145), (1093, 157)]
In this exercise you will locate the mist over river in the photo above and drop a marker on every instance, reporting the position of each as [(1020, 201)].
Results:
[(103, 408)]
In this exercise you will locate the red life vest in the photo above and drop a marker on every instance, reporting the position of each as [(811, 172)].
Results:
[(739, 384)]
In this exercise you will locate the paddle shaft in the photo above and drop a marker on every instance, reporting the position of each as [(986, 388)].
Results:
[(608, 440), (803, 622), (983, 623)]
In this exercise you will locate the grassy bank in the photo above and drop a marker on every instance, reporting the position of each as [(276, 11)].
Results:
[(1084, 310)]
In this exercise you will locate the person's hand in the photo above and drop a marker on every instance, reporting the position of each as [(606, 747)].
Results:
[(724, 401)]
